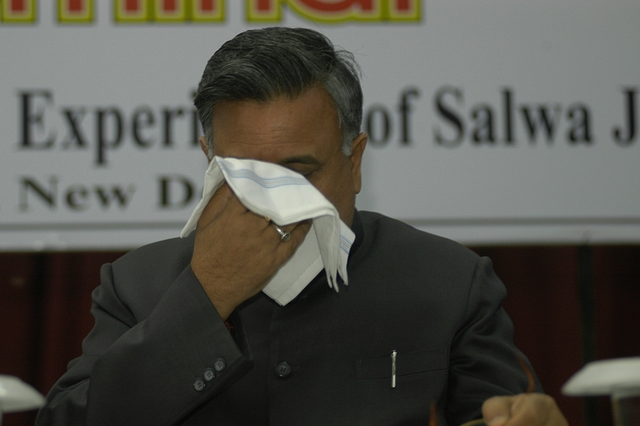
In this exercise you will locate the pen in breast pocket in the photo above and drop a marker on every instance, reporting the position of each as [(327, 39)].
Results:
[(393, 368)]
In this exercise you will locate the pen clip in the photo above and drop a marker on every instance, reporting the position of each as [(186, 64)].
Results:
[(394, 355)]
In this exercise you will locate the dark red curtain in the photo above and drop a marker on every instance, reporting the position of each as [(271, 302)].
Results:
[(569, 305), (44, 315)]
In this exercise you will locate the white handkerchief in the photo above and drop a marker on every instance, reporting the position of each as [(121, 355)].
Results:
[(286, 197)]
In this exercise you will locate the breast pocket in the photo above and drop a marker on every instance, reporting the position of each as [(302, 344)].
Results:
[(431, 359)]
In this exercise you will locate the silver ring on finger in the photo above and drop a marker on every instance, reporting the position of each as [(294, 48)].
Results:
[(284, 236)]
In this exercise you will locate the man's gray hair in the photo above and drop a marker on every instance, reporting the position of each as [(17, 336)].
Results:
[(267, 63)]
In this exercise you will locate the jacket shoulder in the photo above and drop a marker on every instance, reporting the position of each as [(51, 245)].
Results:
[(395, 235)]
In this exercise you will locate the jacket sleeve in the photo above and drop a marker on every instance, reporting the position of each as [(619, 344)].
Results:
[(149, 371), (484, 360)]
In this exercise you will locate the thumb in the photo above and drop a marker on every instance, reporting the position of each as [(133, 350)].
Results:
[(497, 410)]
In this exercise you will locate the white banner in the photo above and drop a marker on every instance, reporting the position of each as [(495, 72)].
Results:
[(490, 122)]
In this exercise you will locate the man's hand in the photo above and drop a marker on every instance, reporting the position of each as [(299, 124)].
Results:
[(531, 409), (236, 252)]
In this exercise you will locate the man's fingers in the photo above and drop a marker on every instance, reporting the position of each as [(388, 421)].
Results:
[(497, 410), (524, 409), (297, 232), (219, 201)]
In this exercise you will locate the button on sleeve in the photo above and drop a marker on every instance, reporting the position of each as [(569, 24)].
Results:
[(219, 364), (199, 384), (209, 374)]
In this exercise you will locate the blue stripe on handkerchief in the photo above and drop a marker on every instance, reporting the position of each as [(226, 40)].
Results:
[(265, 182), (345, 244)]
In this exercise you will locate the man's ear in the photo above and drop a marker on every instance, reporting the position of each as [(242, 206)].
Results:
[(205, 148), (357, 149)]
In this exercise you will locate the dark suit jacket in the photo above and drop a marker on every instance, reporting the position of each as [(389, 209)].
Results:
[(159, 353)]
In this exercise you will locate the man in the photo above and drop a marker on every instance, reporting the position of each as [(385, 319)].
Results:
[(184, 335)]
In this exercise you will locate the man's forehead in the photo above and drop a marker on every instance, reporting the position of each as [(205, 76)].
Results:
[(316, 92), (281, 124)]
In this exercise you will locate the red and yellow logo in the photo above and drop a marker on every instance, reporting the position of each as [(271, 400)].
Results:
[(183, 11), (336, 10), (18, 11), (167, 11), (75, 11)]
